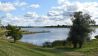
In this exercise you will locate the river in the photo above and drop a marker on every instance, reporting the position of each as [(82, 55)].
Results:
[(54, 34)]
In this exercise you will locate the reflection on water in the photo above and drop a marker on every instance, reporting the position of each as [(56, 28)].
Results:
[(54, 34)]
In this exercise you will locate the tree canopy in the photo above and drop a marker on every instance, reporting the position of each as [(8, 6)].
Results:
[(14, 32), (81, 28)]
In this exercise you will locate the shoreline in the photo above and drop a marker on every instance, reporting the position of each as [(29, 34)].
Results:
[(28, 32)]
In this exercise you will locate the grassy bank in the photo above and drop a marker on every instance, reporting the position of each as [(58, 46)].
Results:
[(24, 49)]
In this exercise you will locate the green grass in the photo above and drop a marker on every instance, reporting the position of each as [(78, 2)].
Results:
[(89, 49), (25, 49)]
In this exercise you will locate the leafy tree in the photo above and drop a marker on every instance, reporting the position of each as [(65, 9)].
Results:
[(14, 32), (80, 29)]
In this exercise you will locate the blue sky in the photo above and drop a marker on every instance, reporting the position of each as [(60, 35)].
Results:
[(44, 12), (45, 6)]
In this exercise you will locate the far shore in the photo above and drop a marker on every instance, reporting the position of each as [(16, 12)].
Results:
[(28, 32)]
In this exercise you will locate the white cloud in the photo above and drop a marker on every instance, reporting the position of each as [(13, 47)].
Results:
[(20, 4), (35, 6), (17, 4), (61, 1), (65, 8), (6, 7), (17, 20), (29, 20), (59, 14), (31, 14)]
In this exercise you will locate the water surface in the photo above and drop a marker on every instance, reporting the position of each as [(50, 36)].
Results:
[(54, 34)]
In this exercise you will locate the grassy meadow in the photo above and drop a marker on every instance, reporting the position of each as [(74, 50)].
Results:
[(25, 49)]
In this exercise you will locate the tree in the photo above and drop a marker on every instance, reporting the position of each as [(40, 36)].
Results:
[(14, 32), (80, 29)]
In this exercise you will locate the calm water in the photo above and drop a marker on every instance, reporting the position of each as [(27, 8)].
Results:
[(54, 34)]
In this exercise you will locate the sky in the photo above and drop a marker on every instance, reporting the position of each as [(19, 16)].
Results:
[(44, 12)]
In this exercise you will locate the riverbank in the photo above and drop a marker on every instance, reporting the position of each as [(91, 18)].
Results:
[(25, 49)]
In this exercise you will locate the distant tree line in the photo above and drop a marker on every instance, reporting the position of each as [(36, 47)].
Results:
[(59, 26), (18, 26)]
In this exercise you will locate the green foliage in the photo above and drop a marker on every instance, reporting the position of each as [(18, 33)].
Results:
[(81, 28), (47, 44), (59, 43), (96, 36), (14, 32)]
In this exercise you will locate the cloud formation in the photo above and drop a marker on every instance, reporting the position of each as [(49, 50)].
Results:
[(35, 6), (59, 14), (65, 8), (6, 7)]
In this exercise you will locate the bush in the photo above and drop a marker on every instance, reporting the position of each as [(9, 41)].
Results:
[(96, 36), (47, 44), (59, 43)]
